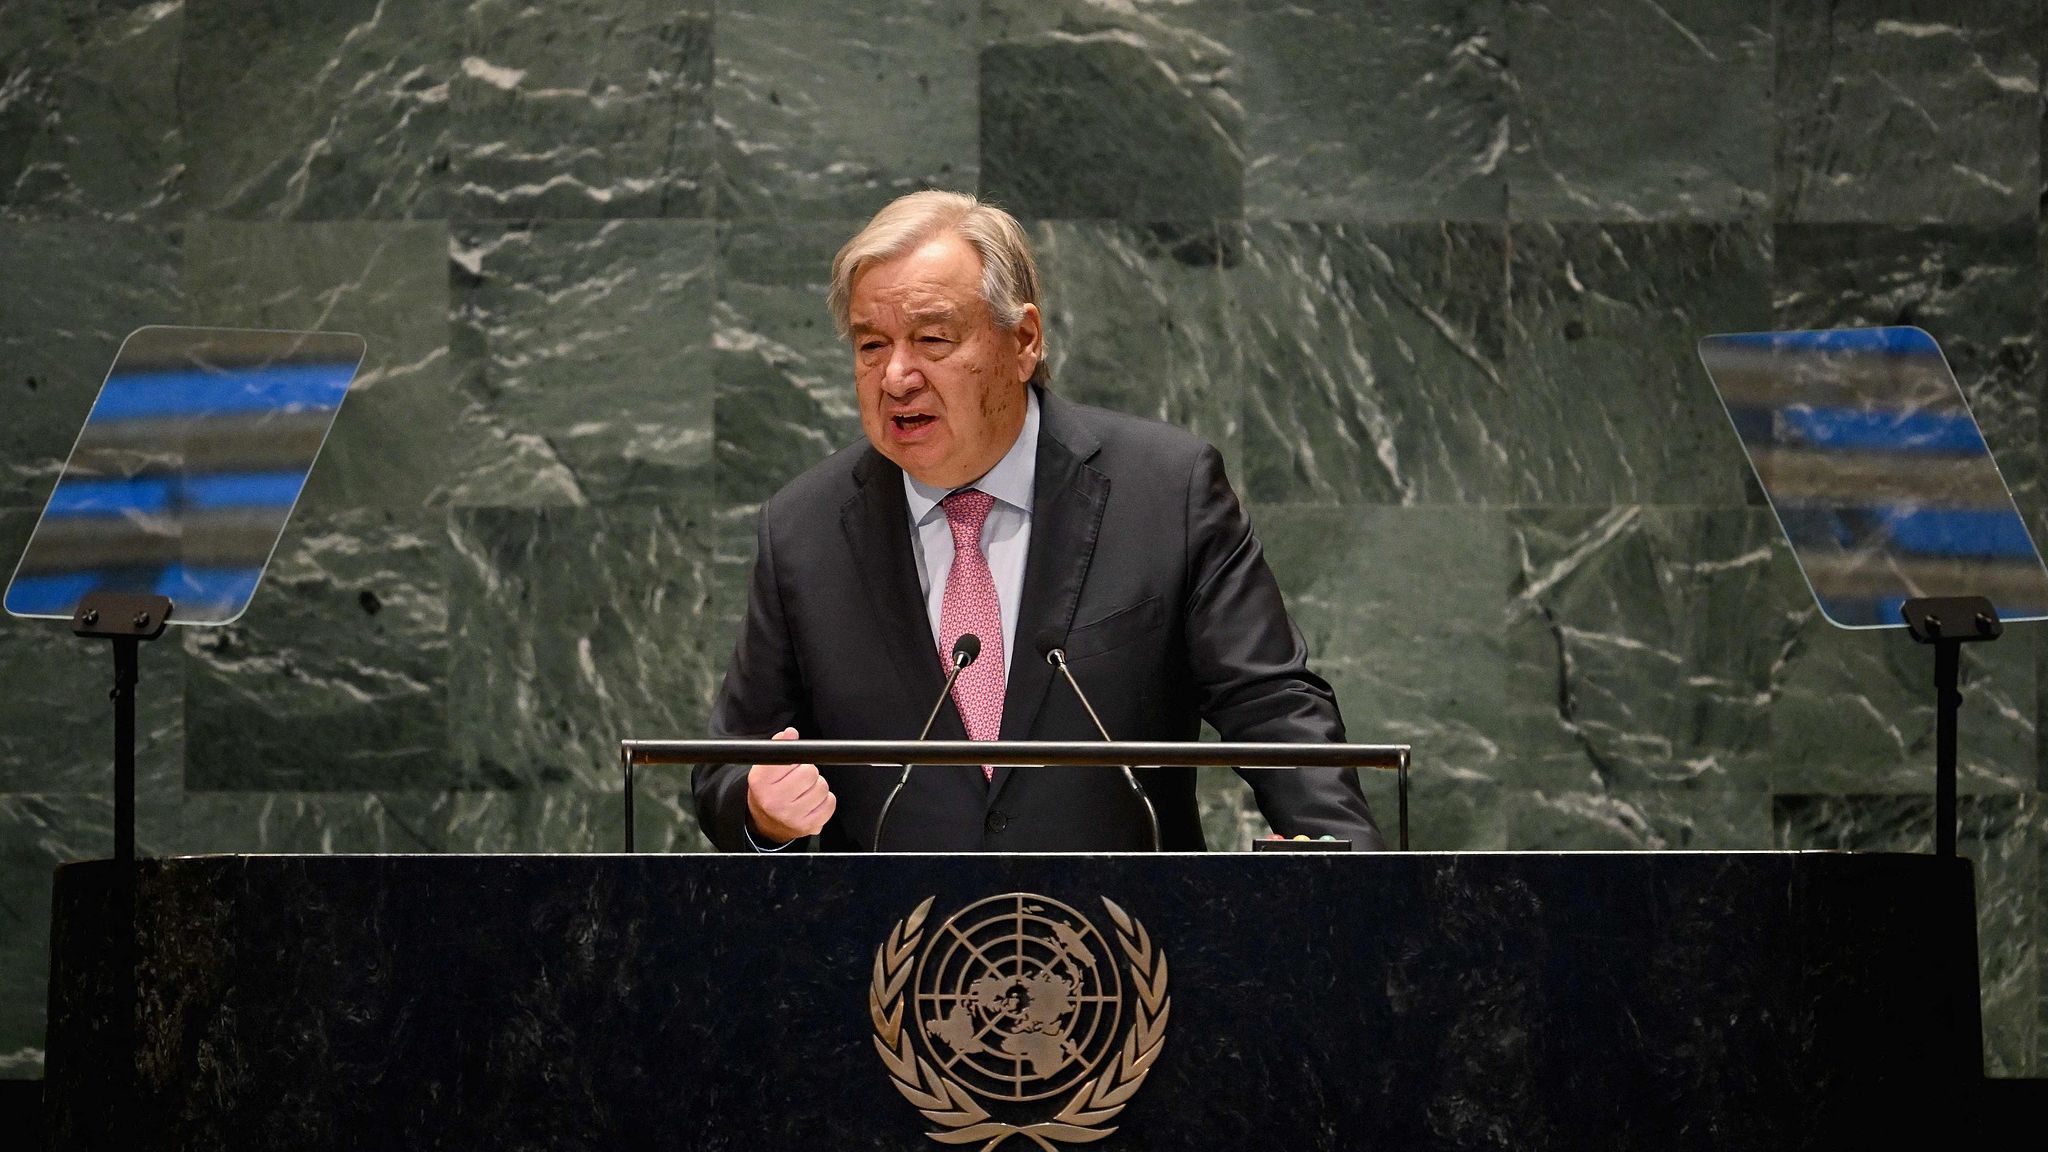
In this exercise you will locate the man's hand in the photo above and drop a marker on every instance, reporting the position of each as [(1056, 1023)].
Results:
[(788, 801)]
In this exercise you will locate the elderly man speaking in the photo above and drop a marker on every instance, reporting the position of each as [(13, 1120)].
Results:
[(983, 504)]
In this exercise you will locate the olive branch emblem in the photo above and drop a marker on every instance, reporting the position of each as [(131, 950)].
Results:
[(947, 1103)]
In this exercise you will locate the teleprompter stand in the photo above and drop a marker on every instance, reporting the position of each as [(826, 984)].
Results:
[(126, 618), (1948, 623), (1016, 754), (179, 485)]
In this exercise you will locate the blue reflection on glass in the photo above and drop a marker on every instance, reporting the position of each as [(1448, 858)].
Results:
[(151, 494), (194, 454), (54, 595), (1880, 431), (278, 388), (1896, 341), (1958, 532), (1882, 481)]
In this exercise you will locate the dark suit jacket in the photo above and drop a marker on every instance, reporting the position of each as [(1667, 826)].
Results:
[(1143, 560)]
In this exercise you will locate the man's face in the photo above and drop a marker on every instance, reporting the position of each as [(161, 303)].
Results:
[(942, 386)]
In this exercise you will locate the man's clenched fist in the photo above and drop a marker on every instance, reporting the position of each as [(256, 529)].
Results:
[(788, 801)]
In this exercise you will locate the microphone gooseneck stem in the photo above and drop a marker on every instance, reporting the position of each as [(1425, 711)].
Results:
[(959, 666), (1058, 657), (1059, 661), (960, 662)]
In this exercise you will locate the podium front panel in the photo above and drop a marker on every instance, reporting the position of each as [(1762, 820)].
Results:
[(1299, 1001)]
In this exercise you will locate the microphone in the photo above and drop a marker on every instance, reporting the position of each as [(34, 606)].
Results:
[(966, 650), (1048, 645)]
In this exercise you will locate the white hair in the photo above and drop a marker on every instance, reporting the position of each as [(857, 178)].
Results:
[(1009, 276)]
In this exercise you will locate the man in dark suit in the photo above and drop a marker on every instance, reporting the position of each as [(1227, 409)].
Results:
[(984, 504)]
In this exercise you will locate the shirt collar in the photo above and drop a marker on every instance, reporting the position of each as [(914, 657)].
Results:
[(1009, 481)]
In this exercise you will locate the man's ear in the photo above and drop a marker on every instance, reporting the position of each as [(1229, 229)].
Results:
[(1030, 334)]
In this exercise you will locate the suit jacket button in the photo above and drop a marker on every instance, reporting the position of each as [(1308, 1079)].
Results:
[(997, 821)]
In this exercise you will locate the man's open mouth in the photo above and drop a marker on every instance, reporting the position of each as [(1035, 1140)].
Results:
[(913, 421)]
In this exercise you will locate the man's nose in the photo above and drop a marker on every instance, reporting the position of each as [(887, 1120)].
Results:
[(901, 376)]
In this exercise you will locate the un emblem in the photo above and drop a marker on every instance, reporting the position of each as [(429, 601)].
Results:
[(1014, 1000)]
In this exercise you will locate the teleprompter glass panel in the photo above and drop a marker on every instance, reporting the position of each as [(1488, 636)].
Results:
[(186, 470), (1878, 474)]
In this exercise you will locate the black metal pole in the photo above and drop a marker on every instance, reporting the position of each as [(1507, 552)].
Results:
[(126, 618), (1948, 623), (1947, 700), (1402, 774), (125, 672), (626, 758)]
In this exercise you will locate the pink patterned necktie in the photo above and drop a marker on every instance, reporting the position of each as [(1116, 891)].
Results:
[(970, 606)]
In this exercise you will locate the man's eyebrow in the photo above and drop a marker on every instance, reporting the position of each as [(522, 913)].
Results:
[(933, 314)]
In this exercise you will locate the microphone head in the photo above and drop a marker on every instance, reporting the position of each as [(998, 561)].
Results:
[(1047, 642), (966, 650)]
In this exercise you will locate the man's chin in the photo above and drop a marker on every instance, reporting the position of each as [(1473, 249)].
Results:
[(924, 459)]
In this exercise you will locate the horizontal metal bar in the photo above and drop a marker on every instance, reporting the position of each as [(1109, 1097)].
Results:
[(1014, 753)]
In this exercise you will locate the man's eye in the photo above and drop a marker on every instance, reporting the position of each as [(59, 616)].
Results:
[(870, 345)]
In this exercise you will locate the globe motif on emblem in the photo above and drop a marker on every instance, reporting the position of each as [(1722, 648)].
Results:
[(1017, 997)]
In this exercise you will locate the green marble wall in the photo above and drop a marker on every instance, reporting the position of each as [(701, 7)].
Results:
[(1429, 272)]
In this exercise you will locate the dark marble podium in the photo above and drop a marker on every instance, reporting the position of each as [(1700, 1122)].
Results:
[(1657, 1001)]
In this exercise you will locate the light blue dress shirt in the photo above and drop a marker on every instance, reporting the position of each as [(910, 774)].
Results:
[(1005, 536)]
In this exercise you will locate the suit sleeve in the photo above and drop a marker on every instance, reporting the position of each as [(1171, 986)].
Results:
[(762, 694), (1250, 667)]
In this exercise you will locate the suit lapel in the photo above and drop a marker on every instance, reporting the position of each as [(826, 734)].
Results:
[(1067, 501), (877, 526)]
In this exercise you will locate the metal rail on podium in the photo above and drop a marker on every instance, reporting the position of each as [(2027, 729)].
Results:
[(1017, 754)]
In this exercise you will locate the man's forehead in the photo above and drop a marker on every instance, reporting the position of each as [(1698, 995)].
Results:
[(908, 303), (944, 272)]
